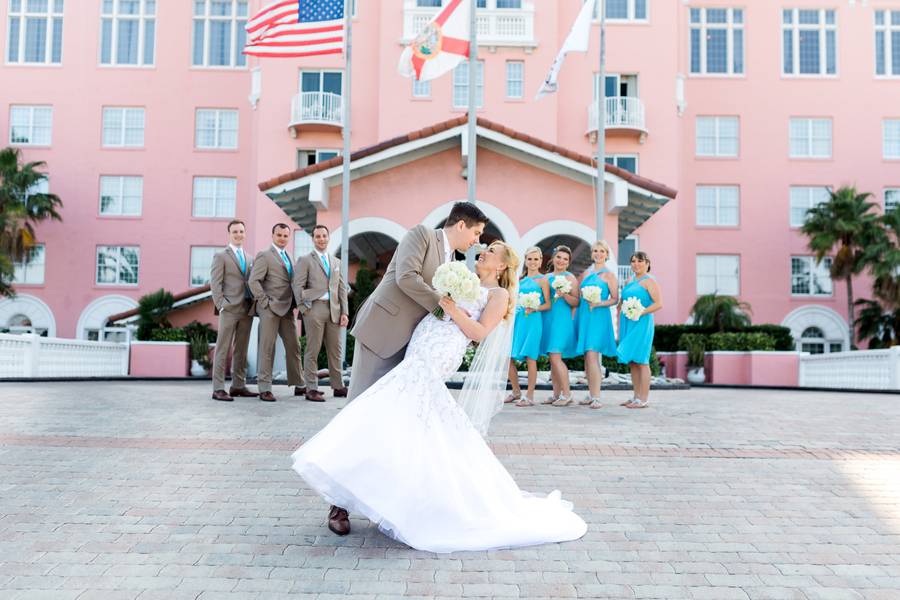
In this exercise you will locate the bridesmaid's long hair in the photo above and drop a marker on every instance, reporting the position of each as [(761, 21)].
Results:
[(527, 252), (557, 250), (507, 278)]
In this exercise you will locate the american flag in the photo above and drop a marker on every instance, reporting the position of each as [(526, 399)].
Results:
[(287, 28)]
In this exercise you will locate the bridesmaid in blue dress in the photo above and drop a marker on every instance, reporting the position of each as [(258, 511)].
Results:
[(559, 327), (636, 336), (595, 326), (529, 327)]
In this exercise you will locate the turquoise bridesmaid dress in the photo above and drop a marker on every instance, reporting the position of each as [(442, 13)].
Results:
[(528, 329), (595, 326), (636, 337), (559, 324)]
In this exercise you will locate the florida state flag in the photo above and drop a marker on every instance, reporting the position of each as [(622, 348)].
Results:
[(440, 46)]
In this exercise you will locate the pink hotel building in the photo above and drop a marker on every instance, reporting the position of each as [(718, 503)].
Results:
[(156, 131)]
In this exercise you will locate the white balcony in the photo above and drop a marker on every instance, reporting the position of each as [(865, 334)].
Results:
[(623, 113), (496, 26), (316, 111)]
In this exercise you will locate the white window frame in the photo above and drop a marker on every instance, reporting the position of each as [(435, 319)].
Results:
[(887, 27), (512, 82), (121, 135), (718, 138), (891, 204), (201, 269), (117, 185), (718, 198), (890, 138), (318, 155), (461, 88), (734, 21), (815, 273), (808, 137), (237, 20), (805, 197), (54, 23), (218, 128), (632, 10), (613, 159), (31, 271), (822, 28), (724, 268), (421, 89), (112, 17), (119, 258), (31, 111), (220, 185)]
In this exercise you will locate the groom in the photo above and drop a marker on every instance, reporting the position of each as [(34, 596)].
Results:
[(386, 321)]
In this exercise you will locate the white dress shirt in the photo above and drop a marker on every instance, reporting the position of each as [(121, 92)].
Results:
[(237, 254), (448, 251)]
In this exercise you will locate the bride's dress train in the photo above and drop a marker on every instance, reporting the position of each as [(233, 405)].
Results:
[(405, 455)]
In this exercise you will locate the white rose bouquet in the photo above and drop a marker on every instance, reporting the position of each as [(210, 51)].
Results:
[(530, 300), (454, 279), (593, 294), (562, 285), (632, 309)]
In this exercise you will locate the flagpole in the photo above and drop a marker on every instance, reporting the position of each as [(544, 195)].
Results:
[(345, 175), (601, 125), (471, 168)]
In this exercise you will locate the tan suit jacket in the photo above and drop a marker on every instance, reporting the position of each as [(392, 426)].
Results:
[(311, 283), (386, 320), (270, 283), (228, 284)]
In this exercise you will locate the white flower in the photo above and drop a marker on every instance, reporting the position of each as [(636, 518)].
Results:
[(530, 300), (592, 294), (454, 279), (562, 285), (632, 308)]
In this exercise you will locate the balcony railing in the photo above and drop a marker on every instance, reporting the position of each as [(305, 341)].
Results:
[(496, 27), (316, 108), (623, 272), (622, 112)]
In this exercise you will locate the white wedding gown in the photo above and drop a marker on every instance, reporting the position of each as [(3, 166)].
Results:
[(405, 455)]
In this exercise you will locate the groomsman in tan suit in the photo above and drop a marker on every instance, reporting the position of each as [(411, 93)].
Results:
[(270, 282), (231, 296), (321, 297)]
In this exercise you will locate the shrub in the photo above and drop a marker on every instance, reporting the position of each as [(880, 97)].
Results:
[(740, 342), (722, 313), (666, 336), (200, 336), (172, 334), (695, 345), (153, 310)]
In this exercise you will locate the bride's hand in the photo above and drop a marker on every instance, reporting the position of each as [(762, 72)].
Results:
[(448, 305)]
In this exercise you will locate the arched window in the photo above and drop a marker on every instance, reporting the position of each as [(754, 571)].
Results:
[(813, 340)]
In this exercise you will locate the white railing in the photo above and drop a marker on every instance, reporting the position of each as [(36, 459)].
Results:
[(623, 273), (622, 112), (34, 356), (860, 369), (496, 27), (324, 108)]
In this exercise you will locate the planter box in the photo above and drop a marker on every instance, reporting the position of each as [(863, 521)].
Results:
[(675, 364), (159, 359), (739, 368)]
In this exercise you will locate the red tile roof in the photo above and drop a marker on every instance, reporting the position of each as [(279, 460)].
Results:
[(180, 296), (642, 182)]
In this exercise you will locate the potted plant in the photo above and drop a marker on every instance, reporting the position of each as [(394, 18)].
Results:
[(199, 335), (695, 345)]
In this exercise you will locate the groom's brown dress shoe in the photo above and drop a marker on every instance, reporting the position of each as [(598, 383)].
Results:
[(299, 391), (221, 396), (267, 397), (340, 393), (338, 521), (242, 393), (315, 396)]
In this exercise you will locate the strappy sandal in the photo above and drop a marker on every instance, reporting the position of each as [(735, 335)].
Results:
[(595, 403), (564, 400), (524, 401), (627, 402), (550, 400), (512, 398), (638, 404), (585, 401)]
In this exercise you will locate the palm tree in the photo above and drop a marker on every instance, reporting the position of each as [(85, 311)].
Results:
[(20, 211), (883, 256), (720, 312), (880, 326), (843, 226)]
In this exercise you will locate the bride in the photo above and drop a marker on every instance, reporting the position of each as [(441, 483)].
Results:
[(412, 459)]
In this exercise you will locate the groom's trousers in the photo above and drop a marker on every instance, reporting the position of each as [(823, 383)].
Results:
[(368, 368)]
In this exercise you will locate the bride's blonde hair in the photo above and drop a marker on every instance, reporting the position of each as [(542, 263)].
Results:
[(507, 277)]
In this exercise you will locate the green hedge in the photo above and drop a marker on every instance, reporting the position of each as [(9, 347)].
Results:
[(739, 342), (577, 363), (666, 336), (168, 334)]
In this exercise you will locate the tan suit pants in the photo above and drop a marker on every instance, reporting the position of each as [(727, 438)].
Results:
[(271, 326), (368, 368), (318, 326), (234, 328)]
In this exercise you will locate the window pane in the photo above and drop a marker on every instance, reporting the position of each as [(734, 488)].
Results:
[(880, 65), (640, 9), (198, 42), (716, 51), (695, 50), (35, 40), (127, 47), (831, 52), (738, 50), (788, 45), (616, 9), (149, 41), (809, 52), (219, 43)]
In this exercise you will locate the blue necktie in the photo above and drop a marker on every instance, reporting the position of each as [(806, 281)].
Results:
[(325, 264), (287, 262), (240, 254)]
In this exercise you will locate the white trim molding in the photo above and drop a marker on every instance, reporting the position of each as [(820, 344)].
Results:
[(392, 229), (95, 314), (34, 308), (499, 218), (830, 322)]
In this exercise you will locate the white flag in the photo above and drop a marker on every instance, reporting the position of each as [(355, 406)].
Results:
[(440, 46), (577, 41)]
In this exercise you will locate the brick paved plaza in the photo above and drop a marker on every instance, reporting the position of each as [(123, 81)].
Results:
[(152, 490)]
